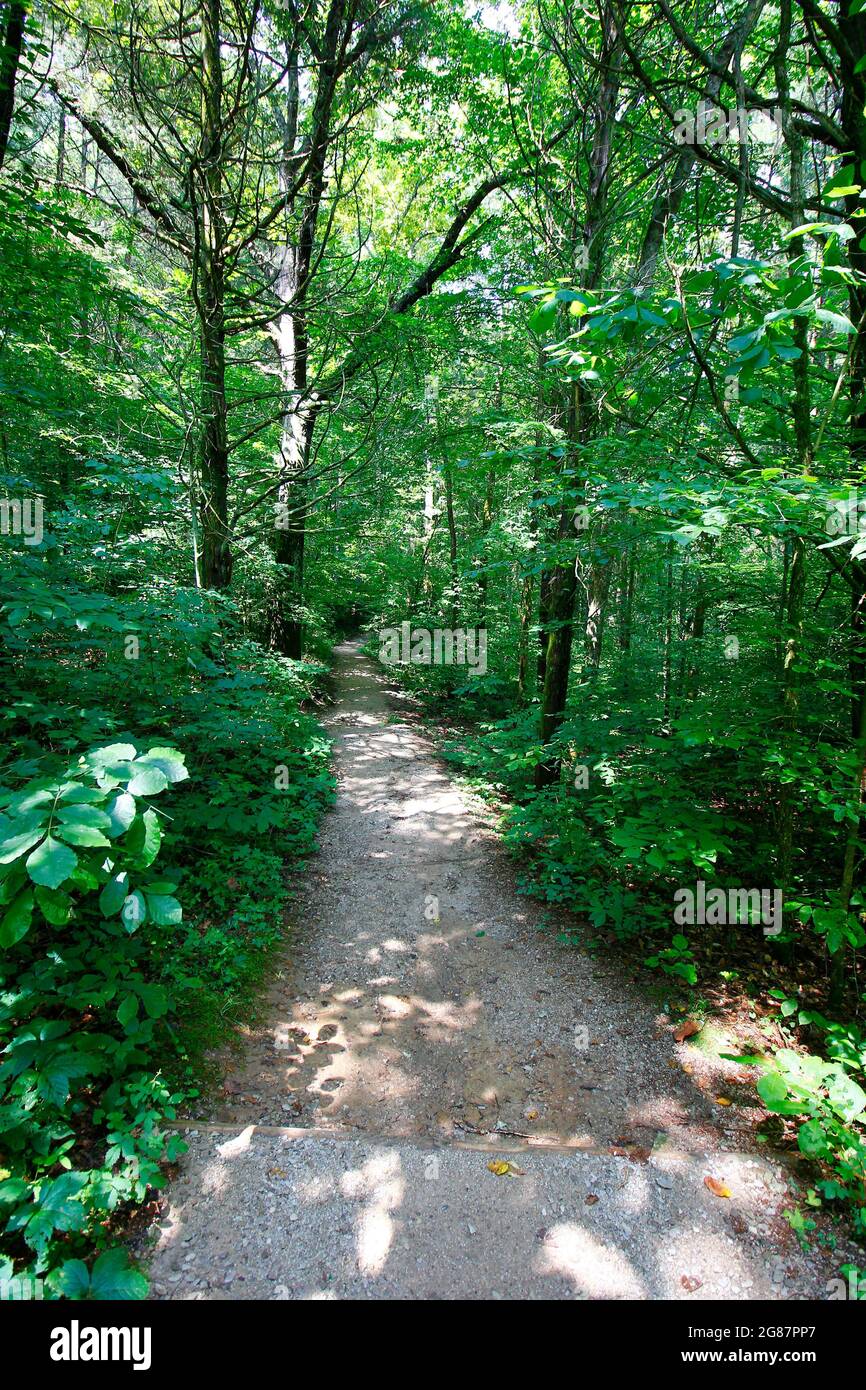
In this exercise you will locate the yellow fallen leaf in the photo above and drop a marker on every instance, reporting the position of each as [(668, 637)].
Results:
[(687, 1069), (532, 1115), (722, 1100), (277, 1173), (505, 1170), (717, 1188)]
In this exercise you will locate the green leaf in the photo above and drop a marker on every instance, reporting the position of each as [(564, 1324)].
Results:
[(147, 780), (811, 1139), (127, 1011), (84, 815), (13, 846), (55, 905), (51, 863), (170, 762), (121, 813), (114, 894), (83, 825), (82, 835), (145, 837), (772, 1090), (75, 793), (56, 1073), (846, 1097), (134, 912), (70, 1280), (165, 911), (837, 321), (112, 753), (16, 922), (154, 999), (115, 1277)]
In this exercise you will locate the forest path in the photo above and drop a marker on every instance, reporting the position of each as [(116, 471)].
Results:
[(419, 1028)]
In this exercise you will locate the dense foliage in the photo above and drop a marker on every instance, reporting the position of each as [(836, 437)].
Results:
[(544, 321)]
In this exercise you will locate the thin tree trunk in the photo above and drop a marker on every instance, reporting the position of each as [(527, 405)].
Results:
[(452, 537), (527, 593), (216, 556), (10, 57), (668, 638), (61, 148), (801, 411), (597, 593), (626, 611), (581, 415)]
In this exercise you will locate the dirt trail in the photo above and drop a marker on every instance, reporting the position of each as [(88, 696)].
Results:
[(419, 1020)]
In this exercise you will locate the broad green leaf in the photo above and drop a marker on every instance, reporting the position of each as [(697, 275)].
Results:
[(115, 1277), (121, 813), (165, 911), (127, 1010), (70, 1280), (16, 921), (51, 863), (154, 999), (114, 894), (55, 905), (133, 912), (145, 837), (14, 846)]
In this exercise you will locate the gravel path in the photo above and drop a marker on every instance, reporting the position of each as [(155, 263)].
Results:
[(419, 1029)]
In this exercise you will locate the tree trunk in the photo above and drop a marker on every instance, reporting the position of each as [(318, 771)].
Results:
[(581, 415), (668, 638), (853, 31), (290, 334), (10, 57), (626, 615), (802, 413), (216, 556), (597, 592)]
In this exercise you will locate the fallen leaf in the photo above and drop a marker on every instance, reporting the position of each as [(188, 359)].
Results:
[(717, 1188), (722, 1100), (532, 1115), (690, 1284), (505, 1170), (687, 1069), (591, 1200), (277, 1173), (686, 1029)]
